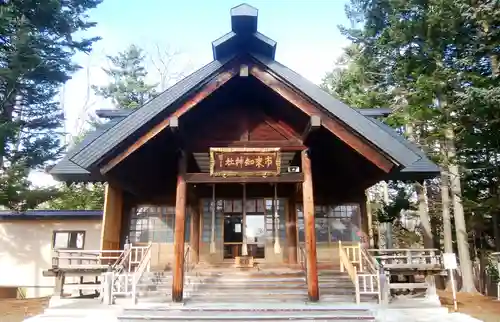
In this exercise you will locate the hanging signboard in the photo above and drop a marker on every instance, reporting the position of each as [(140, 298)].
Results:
[(450, 261), (245, 162)]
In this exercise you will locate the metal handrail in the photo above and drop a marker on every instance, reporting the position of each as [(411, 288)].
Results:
[(119, 265), (303, 261), (187, 258), (141, 268)]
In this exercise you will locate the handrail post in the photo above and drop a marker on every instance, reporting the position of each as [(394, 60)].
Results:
[(340, 259), (360, 258), (356, 285), (134, 289)]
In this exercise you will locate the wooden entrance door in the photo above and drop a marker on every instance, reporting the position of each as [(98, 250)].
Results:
[(233, 235)]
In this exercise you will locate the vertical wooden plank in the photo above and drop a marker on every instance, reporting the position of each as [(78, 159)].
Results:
[(310, 229), (180, 222), (195, 232), (291, 230), (112, 217)]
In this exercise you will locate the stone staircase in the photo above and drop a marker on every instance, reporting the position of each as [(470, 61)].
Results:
[(227, 294), (265, 285), (270, 312)]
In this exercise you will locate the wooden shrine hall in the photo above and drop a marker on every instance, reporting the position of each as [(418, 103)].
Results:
[(243, 161)]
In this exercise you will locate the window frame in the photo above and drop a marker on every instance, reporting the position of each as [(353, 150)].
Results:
[(328, 213), (162, 212), (69, 232)]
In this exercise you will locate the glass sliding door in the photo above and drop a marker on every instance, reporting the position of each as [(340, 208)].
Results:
[(256, 234)]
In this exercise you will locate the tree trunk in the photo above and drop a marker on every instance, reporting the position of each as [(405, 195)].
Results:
[(386, 226), (496, 231), (447, 231), (445, 203), (458, 211), (423, 213), (423, 210)]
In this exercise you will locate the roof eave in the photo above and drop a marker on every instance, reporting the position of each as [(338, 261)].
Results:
[(361, 124), (93, 154)]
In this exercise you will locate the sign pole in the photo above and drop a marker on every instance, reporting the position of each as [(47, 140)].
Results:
[(450, 263), (453, 289)]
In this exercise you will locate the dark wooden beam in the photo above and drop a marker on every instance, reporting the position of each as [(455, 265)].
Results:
[(284, 145), (204, 92), (291, 230), (207, 178), (179, 236), (314, 124), (334, 126), (195, 231), (310, 229)]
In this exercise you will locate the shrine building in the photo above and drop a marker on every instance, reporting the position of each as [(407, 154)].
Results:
[(243, 161)]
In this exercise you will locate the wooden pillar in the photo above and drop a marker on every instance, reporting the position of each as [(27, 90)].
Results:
[(310, 229), (180, 223), (291, 230), (365, 222), (112, 217), (59, 286), (195, 232)]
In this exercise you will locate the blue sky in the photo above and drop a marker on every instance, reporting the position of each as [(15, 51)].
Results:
[(309, 41)]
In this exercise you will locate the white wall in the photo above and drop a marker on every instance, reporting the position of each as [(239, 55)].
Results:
[(26, 251)]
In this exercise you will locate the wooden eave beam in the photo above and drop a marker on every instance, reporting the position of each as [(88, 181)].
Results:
[(173, 119), (334, 126), (313, 125), (207, 178), (284, 145)]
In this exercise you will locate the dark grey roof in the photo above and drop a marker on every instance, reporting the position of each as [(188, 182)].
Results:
[(421, 168), (67, 170), (359, 123), (243, 39), (51, 214), (111, 138)]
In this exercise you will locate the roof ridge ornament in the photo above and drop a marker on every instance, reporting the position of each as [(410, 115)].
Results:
[(243, 37), (244, 19)]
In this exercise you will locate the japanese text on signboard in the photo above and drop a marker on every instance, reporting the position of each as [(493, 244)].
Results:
[(244, 162)]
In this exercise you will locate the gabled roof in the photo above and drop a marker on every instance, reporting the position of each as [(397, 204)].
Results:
[(67, 170), (164, 102), (351, 117), (242, 40), (421, 168)]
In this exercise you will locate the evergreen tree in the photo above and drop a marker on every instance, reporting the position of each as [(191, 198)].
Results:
[(79, 196), (440, 59), (128, 88), (36, 48)]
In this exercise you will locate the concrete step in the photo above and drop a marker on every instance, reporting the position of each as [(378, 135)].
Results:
[(180, 314)]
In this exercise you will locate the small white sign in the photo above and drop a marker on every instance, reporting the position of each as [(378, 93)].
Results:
[(450, 261)]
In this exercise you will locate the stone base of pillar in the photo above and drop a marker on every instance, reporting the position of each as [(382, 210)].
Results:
[(277, 247)]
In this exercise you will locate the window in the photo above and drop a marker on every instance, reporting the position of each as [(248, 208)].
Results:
[(150, 223), (333, 223), (68, 239)]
